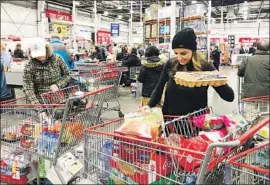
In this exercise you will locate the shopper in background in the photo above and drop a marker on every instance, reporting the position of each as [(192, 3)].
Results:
[(255, 70), (216, 57), (60, 49), (140, 50), (132, 58), (123, 54), (252, 50), (10, 52), (18, 52), (4, 89), (115, 50), (242, 50), (6, 58), (150, 72), (97, 54), (180, 100), (45, 72)]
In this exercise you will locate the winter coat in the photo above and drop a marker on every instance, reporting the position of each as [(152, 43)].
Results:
[(4, 90), (121, 56), (38, 77), (131, 60), (60, 49), (216, 56), (149, 74), (255, 70), (181, 100), (97, 55), (18, 53)]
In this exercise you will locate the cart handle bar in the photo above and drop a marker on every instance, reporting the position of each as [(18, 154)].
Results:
[(87, 94), (265, 99), (234, 158)]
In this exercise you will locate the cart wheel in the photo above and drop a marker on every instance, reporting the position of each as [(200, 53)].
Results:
[(120, 114)]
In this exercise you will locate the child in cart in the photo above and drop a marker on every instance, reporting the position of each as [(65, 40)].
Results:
[(180, 100)]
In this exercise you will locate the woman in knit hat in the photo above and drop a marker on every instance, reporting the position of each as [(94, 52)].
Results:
[(150, 72), (180, 100)]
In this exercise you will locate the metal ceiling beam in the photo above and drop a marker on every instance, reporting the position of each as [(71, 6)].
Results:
[(260, 9)]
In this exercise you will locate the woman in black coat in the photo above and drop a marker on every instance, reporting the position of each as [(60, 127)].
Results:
[(97, 54), (131, 60), (150, 72), (180, 100)]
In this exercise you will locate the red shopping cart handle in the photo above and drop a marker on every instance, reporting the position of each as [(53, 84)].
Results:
[(252, 131), (265, 99)]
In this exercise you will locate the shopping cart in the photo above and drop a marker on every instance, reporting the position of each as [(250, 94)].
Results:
[(251, 106), (251, 166), (103, 75), (51, 130), (121, 159)]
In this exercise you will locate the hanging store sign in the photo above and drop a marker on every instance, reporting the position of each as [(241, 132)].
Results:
[(249, 40), (60, 29), (218, 40), (52, 14), (103, 37), (115, 29)]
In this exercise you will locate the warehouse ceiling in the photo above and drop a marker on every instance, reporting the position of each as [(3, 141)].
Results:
[(243, 10)]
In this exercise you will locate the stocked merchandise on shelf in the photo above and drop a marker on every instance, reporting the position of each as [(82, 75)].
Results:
[(225, 55)]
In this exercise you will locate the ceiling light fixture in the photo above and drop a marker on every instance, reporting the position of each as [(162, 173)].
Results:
[(120, 16), (193, 2), (119, 7)]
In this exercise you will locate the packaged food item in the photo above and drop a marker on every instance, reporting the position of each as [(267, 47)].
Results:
[(212, 121), (141, 125), (142, 173), (14, 169), (198, 79), (185, 159)]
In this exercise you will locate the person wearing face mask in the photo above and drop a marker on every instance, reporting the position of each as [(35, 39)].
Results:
[(45, 72), (180, 100)]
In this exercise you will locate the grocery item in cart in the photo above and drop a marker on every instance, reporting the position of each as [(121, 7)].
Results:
[(142, 173), (14, 169), (145, 125), (185, 159), (198, 79), (104, 158), (212, 121)]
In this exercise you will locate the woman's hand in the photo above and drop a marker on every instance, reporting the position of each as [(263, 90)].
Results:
[(146, 107), (54, 88)]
